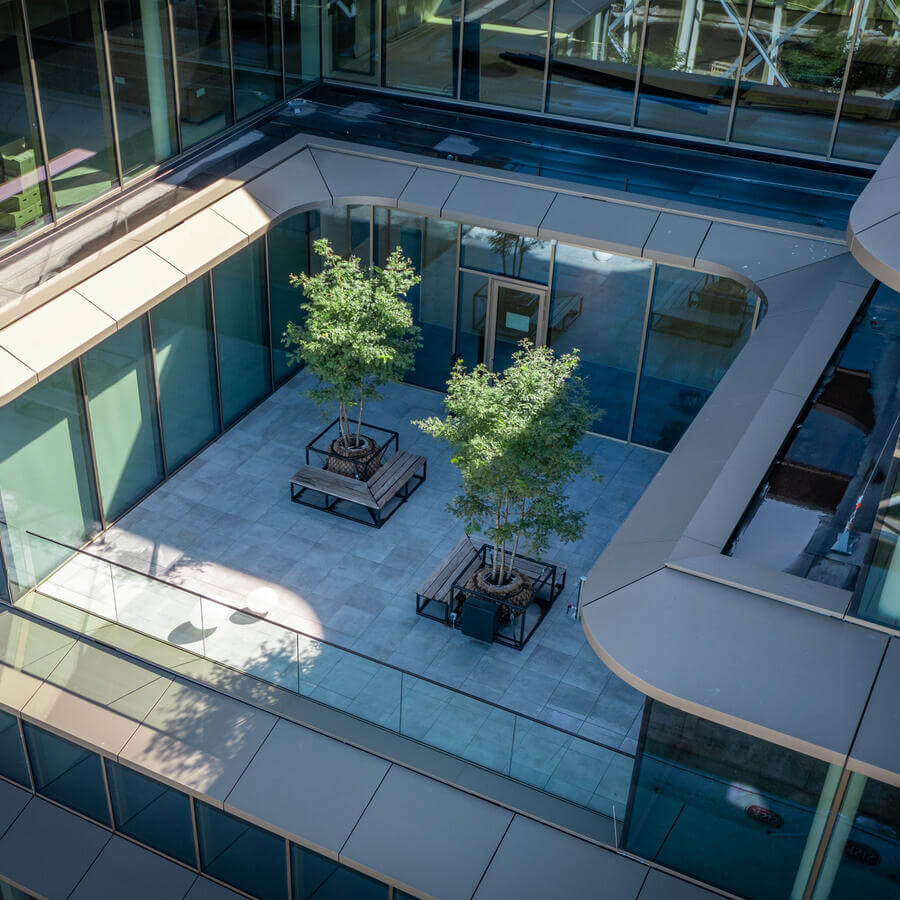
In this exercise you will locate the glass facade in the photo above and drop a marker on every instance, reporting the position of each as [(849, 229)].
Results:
[(316, 878), (422, 30), (12, 753), (256, 43)]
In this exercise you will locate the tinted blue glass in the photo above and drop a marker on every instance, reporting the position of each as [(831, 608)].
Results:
[(151, 812), (512, 255), (241, 854), (12, 754), (4, 591), (314, 876), (67, 773)]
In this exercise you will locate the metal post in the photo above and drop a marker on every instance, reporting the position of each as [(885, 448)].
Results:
[(462, 41), (110, 87), (281, 28), (265, 263), (231, 76), (192, 802), (643, 347), (215, 334), (737, 75), (857, 19), (109, 803), (27, 754), (547, 50), (456, 290), (543, 325), (176, 83), (640, 63), (156, 393), (79, 368)]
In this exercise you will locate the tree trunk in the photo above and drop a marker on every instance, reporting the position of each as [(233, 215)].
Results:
[(494, 568), (359, 419), (512, 560)]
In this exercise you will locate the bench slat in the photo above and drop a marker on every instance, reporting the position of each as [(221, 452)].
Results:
[(336, 485), (402, 472), (452, 559)]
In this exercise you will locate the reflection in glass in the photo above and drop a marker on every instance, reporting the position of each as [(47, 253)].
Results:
[(242, 331), (472, 317), (118, 379), (345, 227), (68, 55), (140, 56), (256, 43), (421, 45), (431, 245), (512, 255), (870, 116), (24, 204), (698, 323), (691, 55), (67, 773), (301, 43), (317, 878), (593, 59), (791, 74), (504, 45), (515, 315), (151, 812), (598, 305), (241, 854), (12, 754), (204, 83), (186, 370), (349, 49)]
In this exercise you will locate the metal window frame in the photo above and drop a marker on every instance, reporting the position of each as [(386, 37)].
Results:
[(858, 8), (176, 83), (639, 368), (211, 288), (81, 386), (231, 72), (110, 87), (157, 394), (737, 75), (639, 68)]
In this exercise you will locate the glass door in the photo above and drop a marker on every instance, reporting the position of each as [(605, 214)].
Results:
[(514, 312)]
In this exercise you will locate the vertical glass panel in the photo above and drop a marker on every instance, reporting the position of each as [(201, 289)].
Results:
[(870, 116), (8, 892), (349, 45), (431, 245), (421, 45), (504, 47), (516, 319), (346, 227), (141, 57), (256, 43), (289, 253), (472, 317), (301, 43), (714, 803), (598, 305), (68, 55), (593, 58), (67, 773), (151, 812), (240, 297), (118, 377), (204, 83), (240, 854), (791, 74), (46, 480), (186, 369), (698, 323), (512, 255), (691, 55), (24, 204), (12, 753), (314, 876)]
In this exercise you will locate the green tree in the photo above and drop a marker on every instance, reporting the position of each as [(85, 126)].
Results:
[(357, 332), (514, 438)]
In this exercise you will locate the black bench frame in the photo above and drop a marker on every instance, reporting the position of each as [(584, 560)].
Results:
[(323, 450)]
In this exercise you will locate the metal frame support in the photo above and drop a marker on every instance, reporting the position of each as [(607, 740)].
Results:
[(639, 68), (547, 51), (98, 494), (640, 361), (857, 19), (111, 90)]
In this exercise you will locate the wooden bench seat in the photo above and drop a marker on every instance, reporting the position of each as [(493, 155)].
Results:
[(390, 483), (462, 560)]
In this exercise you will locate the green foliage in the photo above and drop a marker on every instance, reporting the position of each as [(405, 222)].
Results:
[(357, 332), (514, 438)]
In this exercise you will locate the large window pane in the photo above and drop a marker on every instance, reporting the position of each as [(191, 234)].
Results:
[(512, 255), (256, 40), (151, 812), (66, 38), (698, 323), (46, 482), (593, 58), (598, 305), (242, 331), (870, 116), (504, 46), (317, 878), (24, 205), (12, 753), (204, 83), (141, 58), (301, 43), (791, 74), (346, 227), (349, 49), (241, 854), (472, 317), (431, 245), (691, 55), (67, 773), (118, 378), (421, 45), (186, 369)]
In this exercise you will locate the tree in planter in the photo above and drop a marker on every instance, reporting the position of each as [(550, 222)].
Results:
[(513, 437), (357, 333)]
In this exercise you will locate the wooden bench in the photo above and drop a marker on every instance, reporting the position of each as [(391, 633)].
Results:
[(381, 496), (461, 562)]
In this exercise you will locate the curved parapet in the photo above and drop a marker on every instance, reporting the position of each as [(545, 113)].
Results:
[(873, 231)]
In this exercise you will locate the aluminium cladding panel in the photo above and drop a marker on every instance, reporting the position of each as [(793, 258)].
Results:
[(15, 377), (879, 201), (878, 249), (534, 862), (246, 212), (502, 205), (427, 192), (291, 186), (204, 889), (329, 787), (676, 239), (710, 646), (13, 800), (660, 886), (354, 179)]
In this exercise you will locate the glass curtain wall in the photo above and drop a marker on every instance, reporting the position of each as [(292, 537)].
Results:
[(419, 30), (350, 40), (24, 202), (301, 43), (256, 44)]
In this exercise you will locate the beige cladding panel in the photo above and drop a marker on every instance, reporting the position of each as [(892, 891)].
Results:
[(15, 377), (199, 243)]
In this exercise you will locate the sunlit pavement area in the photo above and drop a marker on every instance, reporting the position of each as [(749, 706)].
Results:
[(224, 527)]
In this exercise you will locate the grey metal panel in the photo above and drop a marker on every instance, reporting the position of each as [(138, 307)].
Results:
[(534, 862), (879, 201), (204, 889), (498, 204), (676, 239), (878, 249), (876, 750), (710, 645), (47, 850), (361, 179), (294, 183), (330, 785), (426, 837), (613, 227), (660, 886), (427, 191), (12, 802), (125, 870)]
